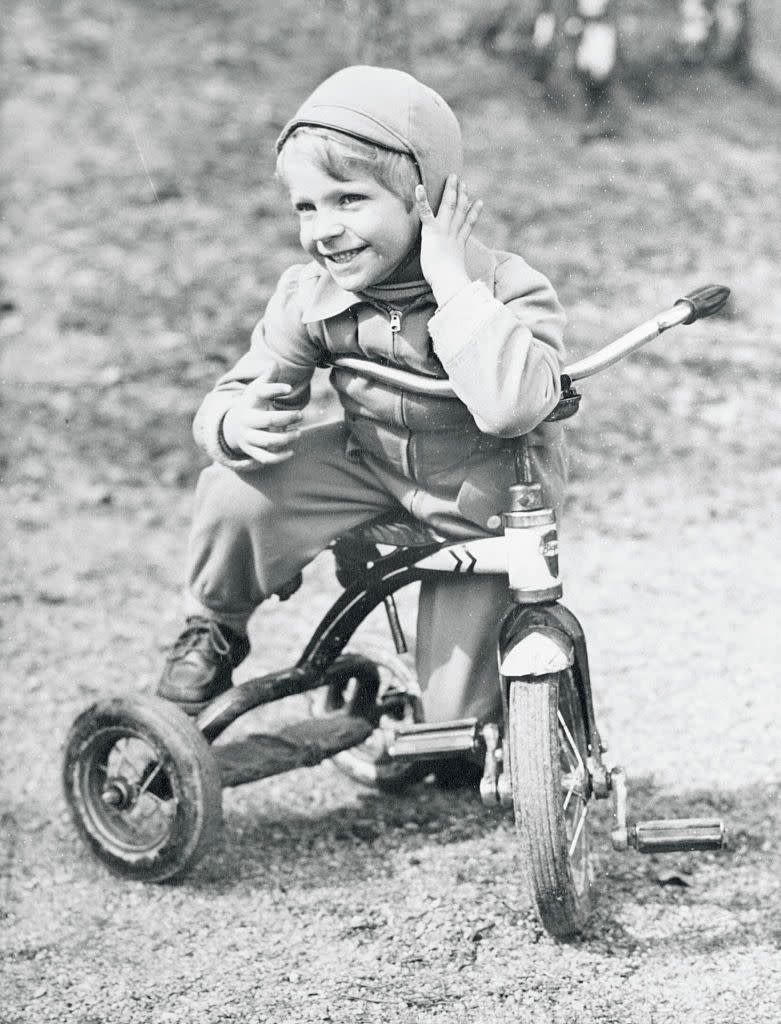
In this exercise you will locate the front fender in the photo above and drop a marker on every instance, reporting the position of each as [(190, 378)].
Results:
[(534, 642), (540, 651), (541, 640)]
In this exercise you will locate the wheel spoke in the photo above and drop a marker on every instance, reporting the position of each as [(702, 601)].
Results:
[(571, 786), (150, 778), (578, 829), (572, 745), (572, 779), (144, 818), (572, 783)]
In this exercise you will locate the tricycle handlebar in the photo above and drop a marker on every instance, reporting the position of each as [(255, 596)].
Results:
[(702, 302), (705, 301)]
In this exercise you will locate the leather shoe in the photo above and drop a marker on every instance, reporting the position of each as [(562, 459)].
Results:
[(200, 663)]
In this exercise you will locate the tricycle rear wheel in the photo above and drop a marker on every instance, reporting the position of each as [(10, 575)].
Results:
[(143, 787), (551, 792)]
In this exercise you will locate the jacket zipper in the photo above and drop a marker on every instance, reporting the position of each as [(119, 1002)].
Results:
[(394, 315), (395, 320)]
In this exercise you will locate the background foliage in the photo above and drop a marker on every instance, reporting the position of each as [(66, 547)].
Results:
[(143, 230)]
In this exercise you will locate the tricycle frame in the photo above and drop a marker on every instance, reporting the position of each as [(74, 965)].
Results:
[(545, 755), (384, 576)]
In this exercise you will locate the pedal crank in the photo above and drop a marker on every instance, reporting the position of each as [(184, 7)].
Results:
[(663, 835)]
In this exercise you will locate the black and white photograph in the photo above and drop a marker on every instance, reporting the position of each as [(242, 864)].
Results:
[(390, 483)]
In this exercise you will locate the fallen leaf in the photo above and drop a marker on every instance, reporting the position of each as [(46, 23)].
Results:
[(481, 930), (679, 878)]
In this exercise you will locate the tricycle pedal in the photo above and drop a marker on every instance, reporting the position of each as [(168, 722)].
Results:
[(432, 740), (669, 835), (663, 835)]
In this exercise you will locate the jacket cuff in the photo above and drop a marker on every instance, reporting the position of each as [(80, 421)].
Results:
[(225, 448), (467, 314), (211, 439)]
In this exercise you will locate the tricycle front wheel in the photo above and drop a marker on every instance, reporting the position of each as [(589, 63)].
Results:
[(143, 787), (551, 792)]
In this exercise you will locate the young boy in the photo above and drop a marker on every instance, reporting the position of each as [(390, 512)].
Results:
[(372, 162)]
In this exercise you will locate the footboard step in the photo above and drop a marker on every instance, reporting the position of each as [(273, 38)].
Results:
[(297, 745)]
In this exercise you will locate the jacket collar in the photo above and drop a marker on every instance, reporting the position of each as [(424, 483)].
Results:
[(327, 299)]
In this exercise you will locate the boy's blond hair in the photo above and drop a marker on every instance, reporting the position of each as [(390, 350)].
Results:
[(340, 156)]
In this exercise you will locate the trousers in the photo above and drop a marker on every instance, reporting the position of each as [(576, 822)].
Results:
[(253, 531)]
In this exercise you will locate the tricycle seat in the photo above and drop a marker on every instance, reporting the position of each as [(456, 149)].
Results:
[(358, 546), (354, 549), (399, 529)]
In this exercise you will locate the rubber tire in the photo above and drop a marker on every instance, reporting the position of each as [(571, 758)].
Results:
[(360, 763), (560, 894), (188, 765)]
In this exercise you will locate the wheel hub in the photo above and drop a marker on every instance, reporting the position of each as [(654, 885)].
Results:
[(119, 794)]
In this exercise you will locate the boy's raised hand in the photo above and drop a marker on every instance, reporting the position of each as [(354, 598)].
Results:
[(444, 236), (255, 427)]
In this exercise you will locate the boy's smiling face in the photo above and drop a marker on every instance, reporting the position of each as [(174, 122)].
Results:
[(358, 230)]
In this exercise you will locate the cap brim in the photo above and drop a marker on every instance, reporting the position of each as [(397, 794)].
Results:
[(350, 122)]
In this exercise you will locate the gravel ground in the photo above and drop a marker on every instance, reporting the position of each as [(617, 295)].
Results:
[(328, 903), (142, 231)]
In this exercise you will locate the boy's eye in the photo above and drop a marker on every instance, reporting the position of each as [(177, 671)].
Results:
[(351, 197), (303, 207)]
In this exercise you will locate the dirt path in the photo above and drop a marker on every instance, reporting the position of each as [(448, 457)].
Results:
[(329, 904)]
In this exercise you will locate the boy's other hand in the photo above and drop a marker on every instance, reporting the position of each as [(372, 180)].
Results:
[(255, 427), (444, 236)]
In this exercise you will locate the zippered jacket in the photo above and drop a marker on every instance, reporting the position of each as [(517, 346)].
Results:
[(499, 340)]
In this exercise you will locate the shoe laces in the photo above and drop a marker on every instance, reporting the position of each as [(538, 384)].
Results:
[(193, 637)]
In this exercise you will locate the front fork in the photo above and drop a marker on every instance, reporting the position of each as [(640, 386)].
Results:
[(536, 641), (540, 637)]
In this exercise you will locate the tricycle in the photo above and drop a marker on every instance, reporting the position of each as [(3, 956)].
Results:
[(144, 781)]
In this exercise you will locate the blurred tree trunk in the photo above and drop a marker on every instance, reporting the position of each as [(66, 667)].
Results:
[(384, 36)]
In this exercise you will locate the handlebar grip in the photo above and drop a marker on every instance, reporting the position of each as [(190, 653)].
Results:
[(704, 301)]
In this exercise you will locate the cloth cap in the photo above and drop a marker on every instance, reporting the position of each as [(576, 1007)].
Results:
[(391, 109)]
